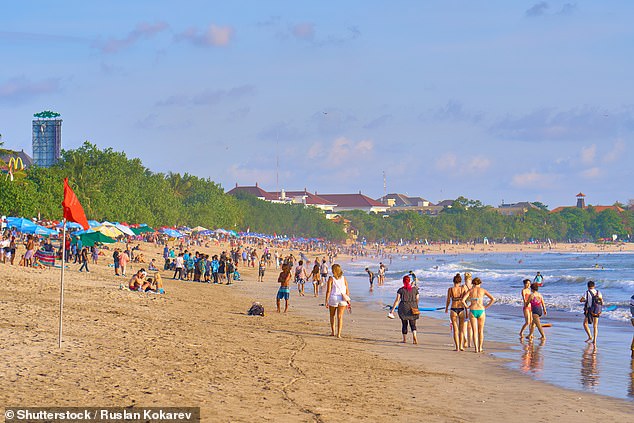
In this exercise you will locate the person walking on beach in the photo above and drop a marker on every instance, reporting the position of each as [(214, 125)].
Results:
[(83, 258), (115, 258), (407, 299), (457, 315), (475, 296), (261, 269), (323, 271), (593, 302), (538, 308), (337, 298), (124, 259), (316, 277), (300, 277), (284, 291), (179, 262), (528, 316)]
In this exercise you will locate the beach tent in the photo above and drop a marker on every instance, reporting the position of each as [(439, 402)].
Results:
[(143, 229), (124, 229), (20, 223), (89, 239)]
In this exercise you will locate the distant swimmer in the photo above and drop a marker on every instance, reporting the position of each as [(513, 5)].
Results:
[(413, 278), (539, 279)]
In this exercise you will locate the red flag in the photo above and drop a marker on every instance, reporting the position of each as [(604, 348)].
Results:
[(73, 211)]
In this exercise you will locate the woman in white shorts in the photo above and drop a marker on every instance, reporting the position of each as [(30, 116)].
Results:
[(337, 299)]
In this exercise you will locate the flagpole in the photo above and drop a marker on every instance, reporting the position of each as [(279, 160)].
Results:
[(61, 288)]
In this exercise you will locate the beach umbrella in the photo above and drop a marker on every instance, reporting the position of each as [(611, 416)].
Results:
[(199, 229), (172, 233), (93, 223), (89, 239), (41, 230), (143, 229), (124, 229), (20, 223), (70, 225), (108, 230)]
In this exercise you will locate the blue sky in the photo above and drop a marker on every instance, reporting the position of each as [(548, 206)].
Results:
[(493, 100)]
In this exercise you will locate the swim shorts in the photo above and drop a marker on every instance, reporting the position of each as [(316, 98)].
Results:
[(283, 293)]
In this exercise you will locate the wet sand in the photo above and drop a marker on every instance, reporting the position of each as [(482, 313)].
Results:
[(195, 346)]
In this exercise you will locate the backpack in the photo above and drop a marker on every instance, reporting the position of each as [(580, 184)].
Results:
[(256, 309), (597, 305)]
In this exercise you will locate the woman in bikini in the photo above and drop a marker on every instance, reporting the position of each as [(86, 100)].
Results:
[(467, 329), (537, 306), (528, 316), (475, 296), (457, 315)]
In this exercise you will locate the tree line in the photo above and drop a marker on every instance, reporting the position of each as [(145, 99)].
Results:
[(113, 187), (470, 220)]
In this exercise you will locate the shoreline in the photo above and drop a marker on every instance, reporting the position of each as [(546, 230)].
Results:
[(195, 346)]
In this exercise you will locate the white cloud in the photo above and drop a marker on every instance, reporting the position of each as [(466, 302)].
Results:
[(616, 153), (447, 161), (534, 179), (478, 164), (340, 151), (305, 30), (215, 36), (591, 173), (588, 154)]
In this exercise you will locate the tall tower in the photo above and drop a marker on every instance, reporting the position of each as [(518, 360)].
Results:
[(47, 138), (581, 200)]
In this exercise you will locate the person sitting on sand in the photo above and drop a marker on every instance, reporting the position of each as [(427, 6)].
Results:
[(284, 291), (475, 296), (156, 284), (538, 308), (457, 315), (337, 298), (138, 281), (152, 265)]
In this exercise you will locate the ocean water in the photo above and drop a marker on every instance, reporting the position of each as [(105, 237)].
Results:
[(564, 359)]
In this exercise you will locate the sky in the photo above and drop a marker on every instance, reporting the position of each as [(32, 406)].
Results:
[(497, 100)]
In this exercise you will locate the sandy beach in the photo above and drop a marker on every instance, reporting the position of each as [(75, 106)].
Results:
[(195, 346)]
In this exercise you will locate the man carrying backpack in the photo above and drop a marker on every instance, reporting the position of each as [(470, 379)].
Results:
[(593, 304)]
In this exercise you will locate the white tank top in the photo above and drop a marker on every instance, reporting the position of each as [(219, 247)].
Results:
[(338, 286)]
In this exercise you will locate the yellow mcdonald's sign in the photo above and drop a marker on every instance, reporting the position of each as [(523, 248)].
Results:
[(15, 163)]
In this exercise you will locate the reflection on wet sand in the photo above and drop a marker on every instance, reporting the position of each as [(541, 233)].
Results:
[(532, 359), (589, 368), (630, 391)]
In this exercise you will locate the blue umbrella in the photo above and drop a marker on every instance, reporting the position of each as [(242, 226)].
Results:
[(172, 233), (70, 225), (20, 223)]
